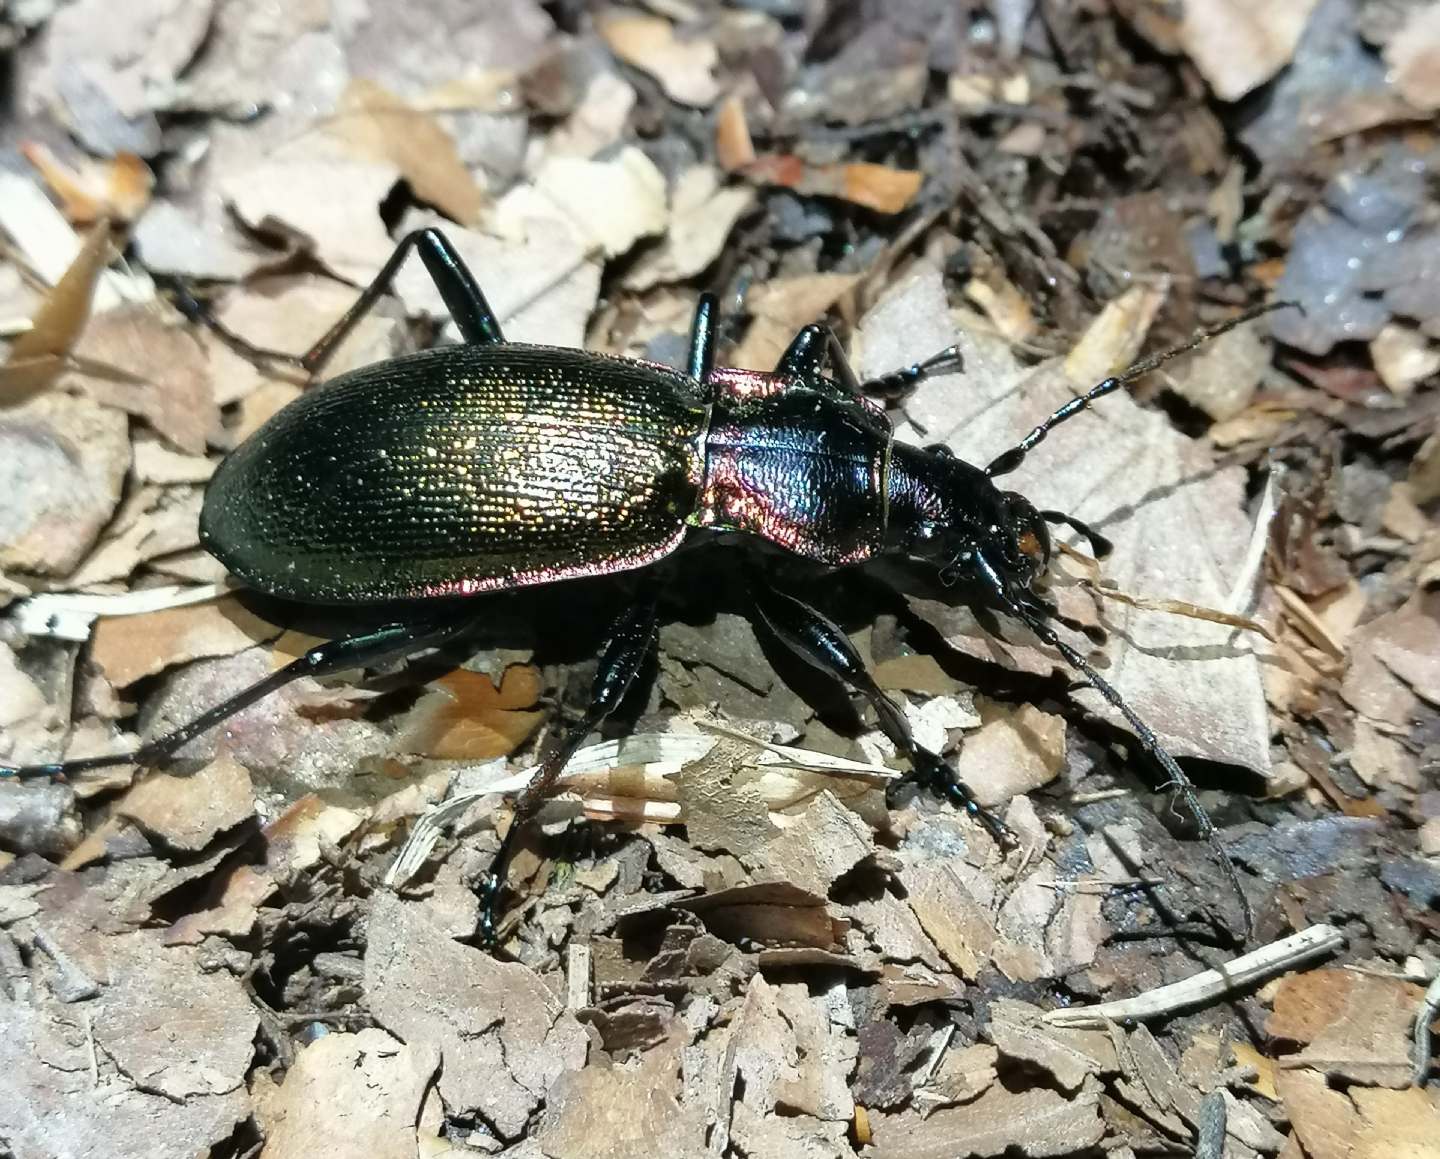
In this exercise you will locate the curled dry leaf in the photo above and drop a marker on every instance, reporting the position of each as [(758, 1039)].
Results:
[(114, 189), (329, 199), (37, 355)]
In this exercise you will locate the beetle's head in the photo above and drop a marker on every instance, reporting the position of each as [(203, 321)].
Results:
[(953, 518)]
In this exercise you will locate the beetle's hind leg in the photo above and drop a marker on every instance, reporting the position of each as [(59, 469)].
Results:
[(358, 651), (631, 638), (822, 644), (463, 297)]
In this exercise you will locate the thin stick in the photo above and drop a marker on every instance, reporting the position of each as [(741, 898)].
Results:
[(1208, 985)]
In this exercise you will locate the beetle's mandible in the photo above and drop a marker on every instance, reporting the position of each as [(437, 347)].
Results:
[(491, 465)]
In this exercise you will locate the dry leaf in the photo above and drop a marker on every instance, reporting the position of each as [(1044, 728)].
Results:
[(1238, 46), (733, 147), (382, 127), (188, 812), (542, 284), (62, 463), (684, 67), (360, 1092), (1013, 752), (36, 356), (117, 188), (876, 187), (127, 648), (1413, 55), (702, 213), (331, 201), (502, 1035), (1036, 1122), (135, 359), (466, 718)]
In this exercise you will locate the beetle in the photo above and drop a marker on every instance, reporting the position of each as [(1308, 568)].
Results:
[(492, 465)]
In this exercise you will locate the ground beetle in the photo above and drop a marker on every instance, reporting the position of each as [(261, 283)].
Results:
[(491, 465)]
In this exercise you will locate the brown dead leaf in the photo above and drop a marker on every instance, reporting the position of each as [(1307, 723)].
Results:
[(599, 1111), (1357, 1026), (877, 187), (127, 648), (36, 356), (466, 718), (360, 1092), (733, 147), (331, 201), (961, 928), (186, 813), (132, 358), (772, 911), (819, 847), (62, 464), (788, 1055), (1070, 1056), (116, 188), (382, 127), (685, 67), (1013, 752)]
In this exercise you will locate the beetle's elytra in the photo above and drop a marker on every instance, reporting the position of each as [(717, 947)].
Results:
[(493, 465)]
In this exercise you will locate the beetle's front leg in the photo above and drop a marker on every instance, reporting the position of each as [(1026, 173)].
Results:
[(631, 639), (821, 643), (816, 345)]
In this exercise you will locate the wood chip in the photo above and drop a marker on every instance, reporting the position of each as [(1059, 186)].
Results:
[(128, 648)]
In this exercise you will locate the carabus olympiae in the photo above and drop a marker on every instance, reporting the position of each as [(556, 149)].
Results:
[(492, 465)]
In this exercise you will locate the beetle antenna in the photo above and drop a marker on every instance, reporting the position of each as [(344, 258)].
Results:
[(1034, 619), (1004, 463)]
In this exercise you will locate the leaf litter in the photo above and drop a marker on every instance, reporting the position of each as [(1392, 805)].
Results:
[(270, 943)]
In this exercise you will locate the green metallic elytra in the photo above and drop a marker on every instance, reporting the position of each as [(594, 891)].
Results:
[(461, 469)]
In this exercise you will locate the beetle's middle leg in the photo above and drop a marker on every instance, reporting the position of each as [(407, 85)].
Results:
[(821, 643), (631, 639), (816, 344)]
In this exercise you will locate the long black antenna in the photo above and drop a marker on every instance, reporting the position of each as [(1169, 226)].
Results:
[(1005, 463), (1178, 781), (1035, 619)]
